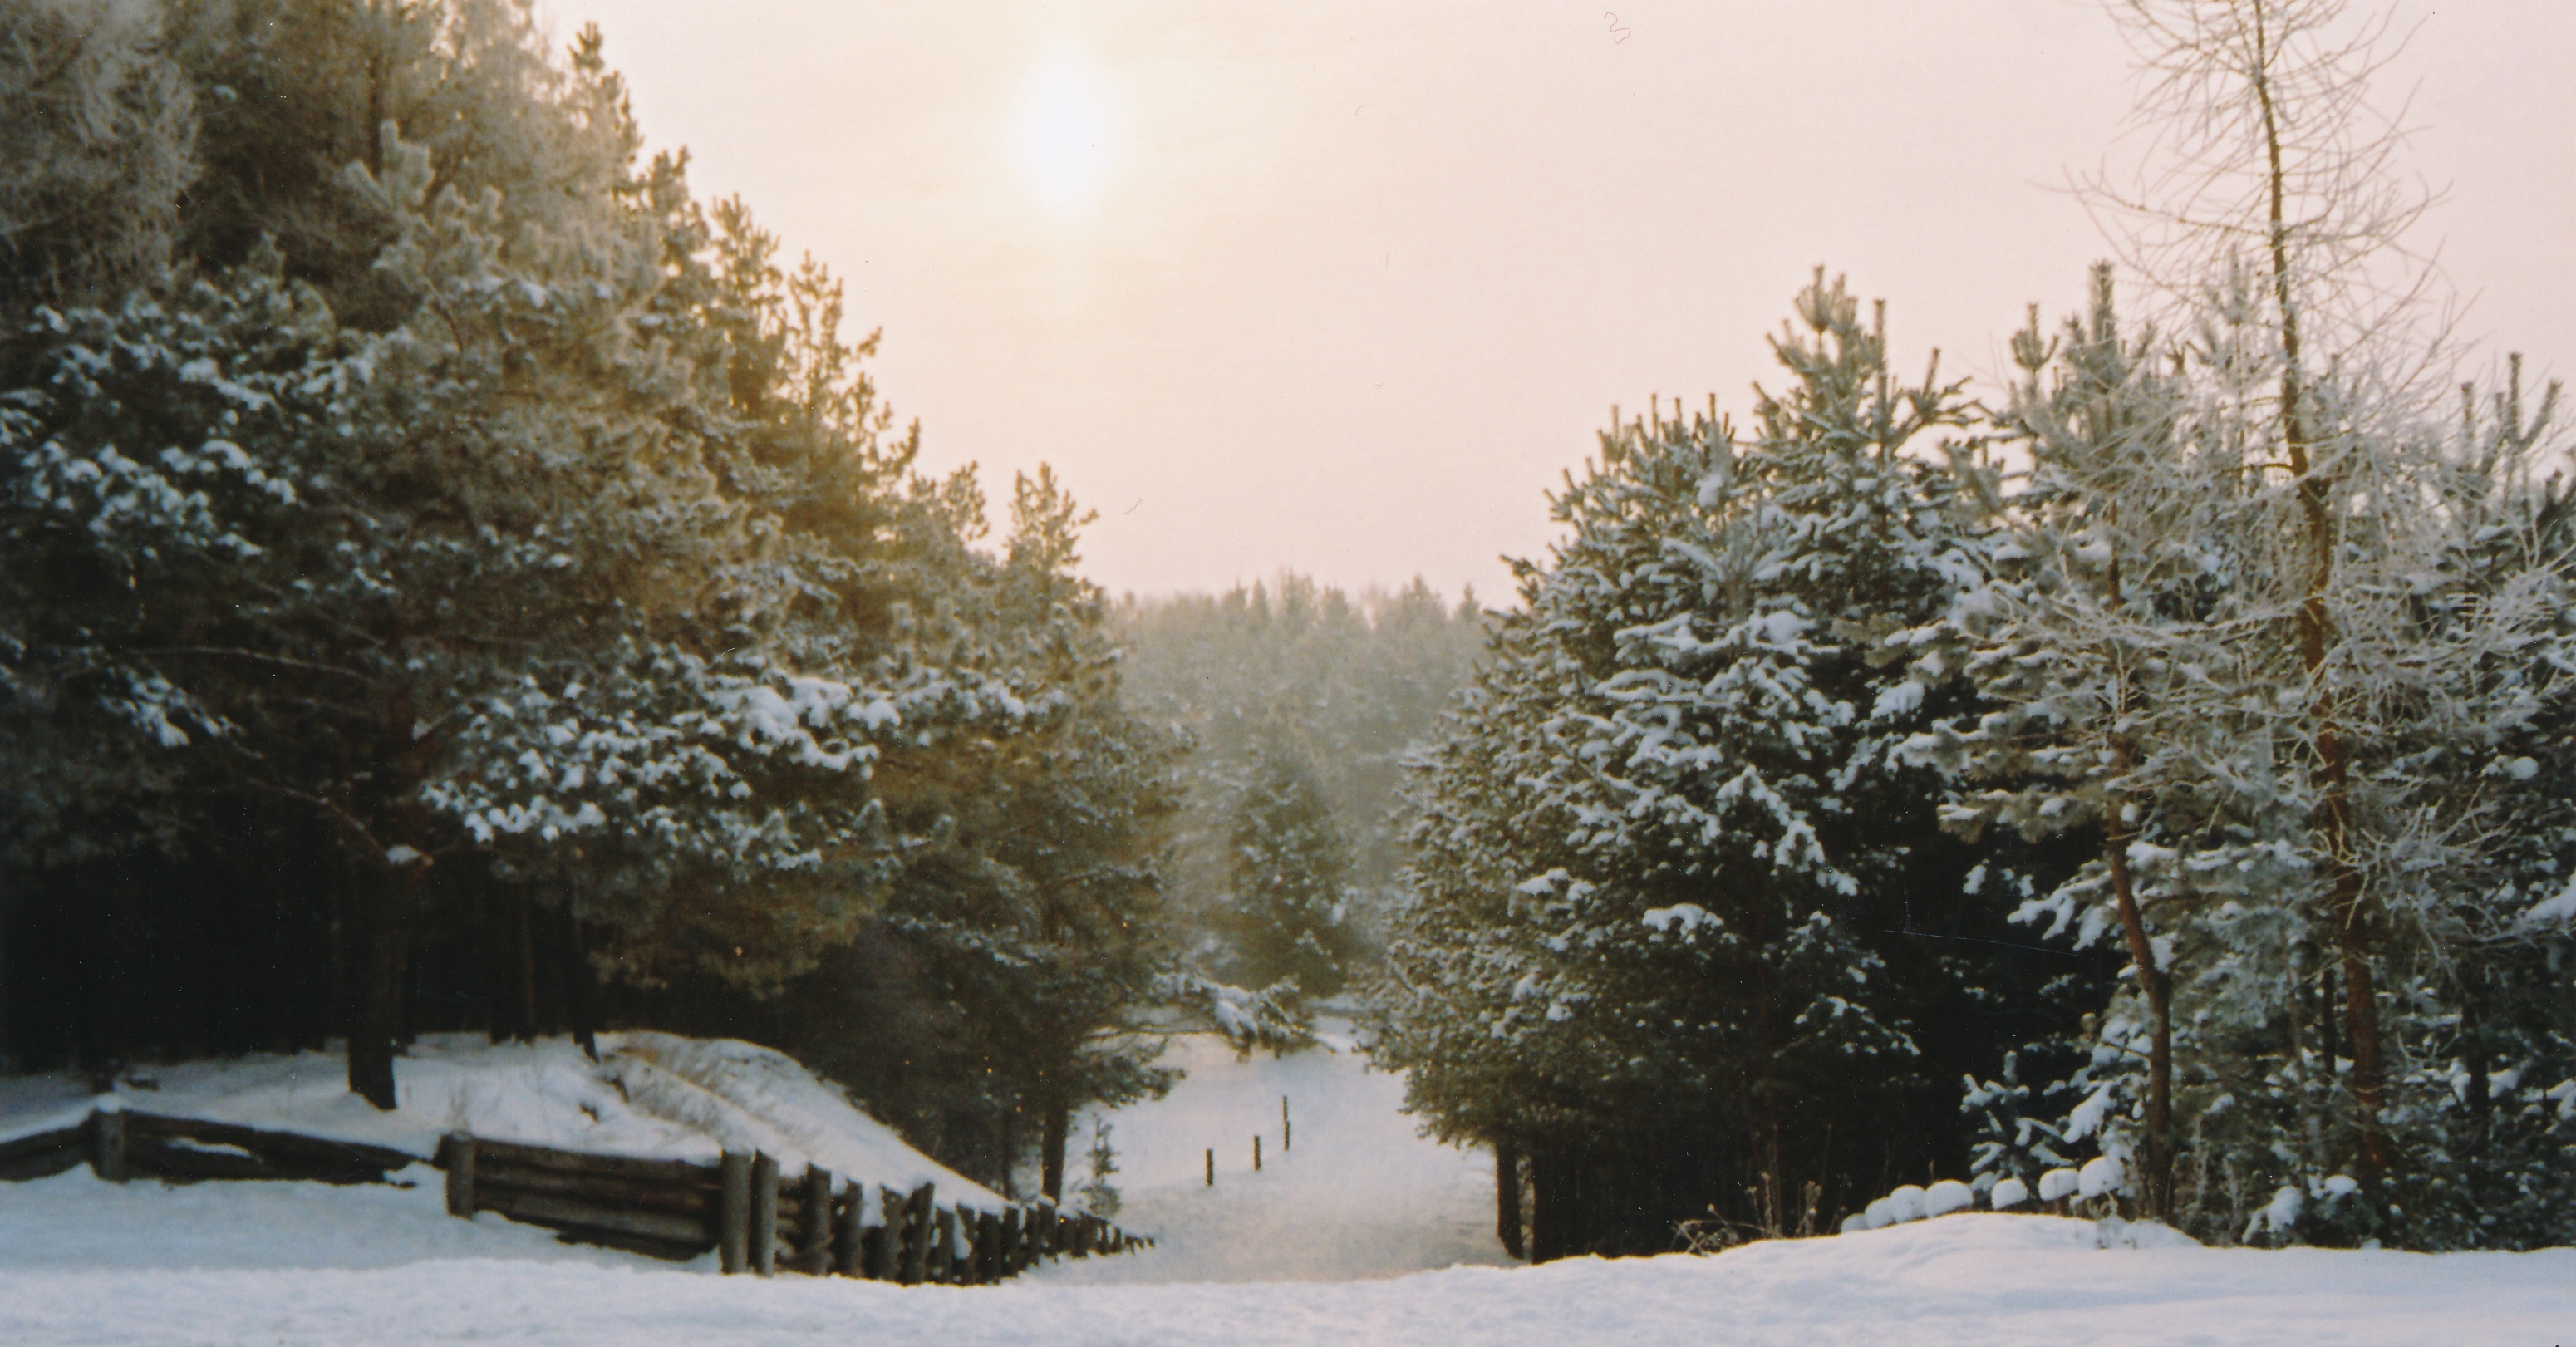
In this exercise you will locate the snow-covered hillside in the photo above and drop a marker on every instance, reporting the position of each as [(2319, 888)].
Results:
[(648, 1095)]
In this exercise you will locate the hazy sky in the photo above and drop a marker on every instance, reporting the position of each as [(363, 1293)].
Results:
[(1345, 285)]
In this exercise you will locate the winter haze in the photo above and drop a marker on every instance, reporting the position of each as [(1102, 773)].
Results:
[(1344, 286)]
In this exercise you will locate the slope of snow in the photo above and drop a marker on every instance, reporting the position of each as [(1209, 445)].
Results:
[(1986, 1280), (1360, 1194), (648, 1095)]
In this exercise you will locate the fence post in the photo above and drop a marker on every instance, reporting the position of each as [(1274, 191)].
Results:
[(851, 1247), (460, 1174), (1011, 1242), (763, 1250), (814, 1255), (733, 1211), (885, 1256), (1211, 1166), (1256, 1152), (1287, 1138), (943, 1246), (916, 1233), (988, 1247), (107, 1145)]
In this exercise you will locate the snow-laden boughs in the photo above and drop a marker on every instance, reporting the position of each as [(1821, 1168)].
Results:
[(1665, 839)]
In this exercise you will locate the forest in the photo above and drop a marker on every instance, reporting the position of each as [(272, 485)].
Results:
[(453, 577)]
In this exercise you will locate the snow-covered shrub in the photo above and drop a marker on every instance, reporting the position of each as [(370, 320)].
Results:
[(2008, 1194), (1947, 1196)]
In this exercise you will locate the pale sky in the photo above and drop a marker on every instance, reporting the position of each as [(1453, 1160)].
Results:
[(1346, 285)]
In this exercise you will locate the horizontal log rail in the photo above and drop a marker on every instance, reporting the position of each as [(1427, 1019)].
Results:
[(741, 1207)]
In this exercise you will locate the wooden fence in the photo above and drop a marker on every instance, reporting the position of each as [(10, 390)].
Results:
[(755, 1218)]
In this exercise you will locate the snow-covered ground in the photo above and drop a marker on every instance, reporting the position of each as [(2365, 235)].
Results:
[(648, 1094), (1360, 1194), (1257, 1260)]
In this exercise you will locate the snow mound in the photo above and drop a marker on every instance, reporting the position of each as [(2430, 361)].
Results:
[(652, 1095)]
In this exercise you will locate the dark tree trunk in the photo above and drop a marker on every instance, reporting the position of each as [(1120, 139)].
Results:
[(1552, 1216), (379, 1017), (1507, 1194), (1057, 1120), (526, 1028), (577, 990)]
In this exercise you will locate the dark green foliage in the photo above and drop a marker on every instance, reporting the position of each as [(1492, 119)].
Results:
[(1291, 890)]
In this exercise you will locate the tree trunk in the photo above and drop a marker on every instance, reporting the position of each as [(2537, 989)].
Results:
[(2316, 631), (1057, 1119), (2157, 1198), (578, 998), (526, 1032), (379, 1018), (1507, 1193)]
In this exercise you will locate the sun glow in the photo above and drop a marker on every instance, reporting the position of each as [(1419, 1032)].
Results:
[(1063, 137)]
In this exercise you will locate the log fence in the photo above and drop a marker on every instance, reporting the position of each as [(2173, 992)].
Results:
[(742, 1208)]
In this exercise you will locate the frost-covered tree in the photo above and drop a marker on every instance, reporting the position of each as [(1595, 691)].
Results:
[(1660, 847), (1291, 879)]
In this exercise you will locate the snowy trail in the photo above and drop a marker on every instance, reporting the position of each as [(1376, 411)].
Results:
[(1358, 1195)]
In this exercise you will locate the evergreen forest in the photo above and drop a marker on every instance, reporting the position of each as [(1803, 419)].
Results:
[(455, 577)]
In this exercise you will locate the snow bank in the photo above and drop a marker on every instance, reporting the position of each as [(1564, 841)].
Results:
[(1986, 1280), (653, 1095)]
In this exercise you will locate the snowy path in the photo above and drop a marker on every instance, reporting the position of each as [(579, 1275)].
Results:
[(1359, 1195)]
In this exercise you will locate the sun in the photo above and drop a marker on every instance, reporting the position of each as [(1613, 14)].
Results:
[(1063, 136)]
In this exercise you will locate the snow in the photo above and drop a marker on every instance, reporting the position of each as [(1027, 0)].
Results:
[(653, 1095), (2008, 1194), (1306, 1252), (1360, 1194), (76, 1272)]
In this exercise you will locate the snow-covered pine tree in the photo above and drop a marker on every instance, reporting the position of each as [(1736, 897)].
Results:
[(1291, 878), (1675, 818)]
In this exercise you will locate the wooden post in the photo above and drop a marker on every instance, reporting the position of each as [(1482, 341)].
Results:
[(1287, 1138), (763, 1250), (943, 1245), (916, 1233), (850, 1247), (107, 1145), (460, 1174), (733, 1211), (1256, 1152), (1211, 1166), (988, 1247), (816, 1255), (1012, 1243), (885, 1256)]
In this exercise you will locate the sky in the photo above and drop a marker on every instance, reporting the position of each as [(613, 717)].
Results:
[(1346, 286)]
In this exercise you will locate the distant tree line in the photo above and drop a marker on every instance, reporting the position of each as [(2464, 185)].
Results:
[(1302, 703), (452, 577), (2171, 769)]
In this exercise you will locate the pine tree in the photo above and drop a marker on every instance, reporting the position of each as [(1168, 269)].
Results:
[(1291, 890)]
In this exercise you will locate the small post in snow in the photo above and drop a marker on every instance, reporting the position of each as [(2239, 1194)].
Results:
[(764, 1214), (1286, 1137), (1211, 1162), (733, 1211), (1256, 1152), (107, 1144), (460, 1174)]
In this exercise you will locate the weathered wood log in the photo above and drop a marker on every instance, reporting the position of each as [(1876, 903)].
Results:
[(107, 1146), (988, 1247), (885, 1256), (288, 1153), (733, 1211), (814, 1222), (493, 1154), (849, 1248), (43, 1154), (764, 1213), (180, 1160), (1008, 1251), (690, 1200), (459, 1157), (916, 1234), (547, 1210), (942, 1263)]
